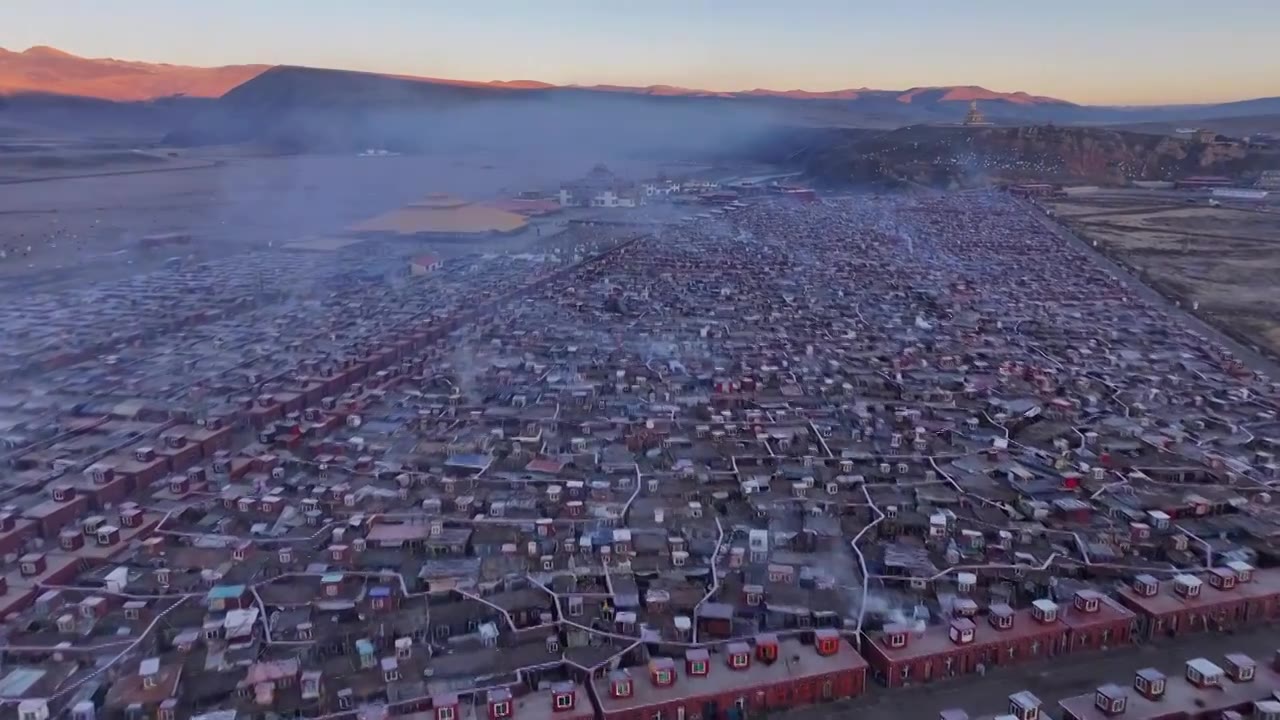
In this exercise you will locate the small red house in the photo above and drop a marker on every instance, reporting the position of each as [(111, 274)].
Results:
[(1095, 622), (562, 701)]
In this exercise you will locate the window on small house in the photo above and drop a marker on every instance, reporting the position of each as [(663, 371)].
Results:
[(698, 667), (828, 691), (662, 677), (148, 681), (501, 709), (897, 641), (564, 701), (739, 660), (444, 713), (623, 689)]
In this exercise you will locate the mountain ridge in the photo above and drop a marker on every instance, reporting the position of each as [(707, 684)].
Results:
[(49, 70)]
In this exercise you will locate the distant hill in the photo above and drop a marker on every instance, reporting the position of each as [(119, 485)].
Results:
[(1240, 126), (960, 156), (49, 71), (306, 109), (303, 109), (310, 108), (38, 115)]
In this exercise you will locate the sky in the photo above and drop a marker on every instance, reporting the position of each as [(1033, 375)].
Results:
[(1130, 52)]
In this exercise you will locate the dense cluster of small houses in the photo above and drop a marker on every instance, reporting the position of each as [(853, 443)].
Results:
[(738, 464)]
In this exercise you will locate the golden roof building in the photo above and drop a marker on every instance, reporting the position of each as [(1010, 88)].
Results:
[(442, 216)]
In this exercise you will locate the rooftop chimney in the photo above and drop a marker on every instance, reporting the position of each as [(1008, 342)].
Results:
[(1241, 667), (962, 631), (662, 671), (1146, 585), (1187, 586), (1024, 706), (620, 684), (1222, 578), (1242, 570), (1150, 683), (1087, 601), (896, 634), (149, 670), (827, 641), (1110, 699), (499, 704), (697, 662), (1202, 673), (1001, 616), (767, 647), (1046, 611), (564, 697)]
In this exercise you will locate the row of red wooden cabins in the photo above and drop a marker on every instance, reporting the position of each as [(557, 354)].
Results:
[(1230, 596), (902, 655), (739, 679), (1235, 595)]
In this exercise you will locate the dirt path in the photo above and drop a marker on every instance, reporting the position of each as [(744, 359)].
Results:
[(1117, 227), (112, 173)]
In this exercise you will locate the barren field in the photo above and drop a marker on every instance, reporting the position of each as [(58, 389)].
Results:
[(86, 228), (1222, 263)]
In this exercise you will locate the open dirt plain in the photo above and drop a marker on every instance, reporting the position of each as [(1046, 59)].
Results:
[(57, 231), (1222, 263)]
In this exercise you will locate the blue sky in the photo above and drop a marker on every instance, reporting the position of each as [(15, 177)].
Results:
[(1116, 51)]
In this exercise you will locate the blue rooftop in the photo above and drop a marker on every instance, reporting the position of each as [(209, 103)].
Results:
[(474, 460), (226, 592)]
